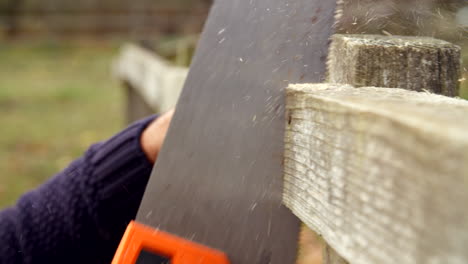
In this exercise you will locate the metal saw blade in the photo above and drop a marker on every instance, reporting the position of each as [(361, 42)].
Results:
[(218, 178)]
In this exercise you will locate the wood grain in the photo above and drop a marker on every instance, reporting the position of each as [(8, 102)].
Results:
[(381, 174), (412, 63)]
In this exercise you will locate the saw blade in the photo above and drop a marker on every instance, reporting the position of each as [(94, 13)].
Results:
[(218, 178)]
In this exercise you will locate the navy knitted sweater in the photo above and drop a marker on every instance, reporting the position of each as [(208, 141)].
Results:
[(79, 215)]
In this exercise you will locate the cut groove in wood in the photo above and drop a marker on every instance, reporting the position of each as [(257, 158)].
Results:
[(381, 174)]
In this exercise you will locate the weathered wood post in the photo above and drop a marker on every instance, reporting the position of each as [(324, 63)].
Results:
[(136, 107), (343, 182), (411, 63)]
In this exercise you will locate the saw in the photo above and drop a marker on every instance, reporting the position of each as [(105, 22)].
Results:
[(215, 193)]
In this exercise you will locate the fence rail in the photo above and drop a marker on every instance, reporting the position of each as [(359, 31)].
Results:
[(153, 84), (380, 173)]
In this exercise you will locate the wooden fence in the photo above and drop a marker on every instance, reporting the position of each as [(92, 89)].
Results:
[(142, 19), (380, 173)]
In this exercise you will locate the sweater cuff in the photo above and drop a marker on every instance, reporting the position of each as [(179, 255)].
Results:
[(119, 172)]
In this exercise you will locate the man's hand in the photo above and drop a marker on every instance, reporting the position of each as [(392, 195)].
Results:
[(153, 137)]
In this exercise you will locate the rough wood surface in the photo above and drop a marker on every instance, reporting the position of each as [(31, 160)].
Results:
[(381, 174), (412, 63), (154, 78)]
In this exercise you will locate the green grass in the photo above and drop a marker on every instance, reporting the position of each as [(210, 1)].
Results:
[(55, 100)]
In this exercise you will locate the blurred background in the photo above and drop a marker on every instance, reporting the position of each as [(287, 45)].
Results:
[(57, 93)]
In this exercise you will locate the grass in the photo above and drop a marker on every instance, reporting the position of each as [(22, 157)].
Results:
[(55, 100)]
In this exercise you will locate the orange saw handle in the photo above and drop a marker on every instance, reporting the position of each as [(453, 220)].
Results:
[(140, 241)]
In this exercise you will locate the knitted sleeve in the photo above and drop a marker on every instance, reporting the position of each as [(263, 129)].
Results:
[(79, 215)]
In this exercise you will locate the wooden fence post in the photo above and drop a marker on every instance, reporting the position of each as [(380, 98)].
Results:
[(412, 63)]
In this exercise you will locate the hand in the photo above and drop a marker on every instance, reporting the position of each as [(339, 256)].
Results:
[(153, 136)]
